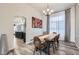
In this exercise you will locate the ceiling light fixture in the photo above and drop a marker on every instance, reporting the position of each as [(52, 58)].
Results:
[(47, 11)]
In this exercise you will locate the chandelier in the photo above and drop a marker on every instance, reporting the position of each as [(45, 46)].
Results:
[(47, 11)]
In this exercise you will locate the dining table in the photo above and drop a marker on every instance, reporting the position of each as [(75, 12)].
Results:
[(49, 38)]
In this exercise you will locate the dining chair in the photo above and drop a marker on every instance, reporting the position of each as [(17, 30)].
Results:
[(56, 41), (37, 45), (46, 46), (54, 32), (52, 43)]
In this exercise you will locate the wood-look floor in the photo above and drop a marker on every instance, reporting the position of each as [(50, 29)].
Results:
[(65, 48)]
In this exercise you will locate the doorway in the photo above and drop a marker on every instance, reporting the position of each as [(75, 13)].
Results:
[(19, 25)]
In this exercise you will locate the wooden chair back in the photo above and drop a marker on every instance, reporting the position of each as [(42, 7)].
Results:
[(54, 32), (56, 38), (37, 42)]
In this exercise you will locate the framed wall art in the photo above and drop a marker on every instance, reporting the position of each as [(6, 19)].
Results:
[(36, 23)]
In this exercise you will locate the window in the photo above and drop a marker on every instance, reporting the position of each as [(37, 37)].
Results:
[(57, 24)]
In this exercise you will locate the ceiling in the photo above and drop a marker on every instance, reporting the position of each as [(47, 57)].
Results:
[(55, 6)]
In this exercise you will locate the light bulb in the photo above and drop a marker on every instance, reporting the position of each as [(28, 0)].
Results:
[(51, 11), (48, 9), (44, 12)]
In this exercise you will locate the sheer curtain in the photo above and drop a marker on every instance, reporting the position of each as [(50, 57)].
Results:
[(57, 24)]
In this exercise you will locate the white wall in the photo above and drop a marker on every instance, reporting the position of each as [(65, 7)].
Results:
[(77, 26), (72, 22), (7, 13)]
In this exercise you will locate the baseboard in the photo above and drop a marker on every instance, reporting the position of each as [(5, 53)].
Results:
[(67, 41), (28, 42)]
